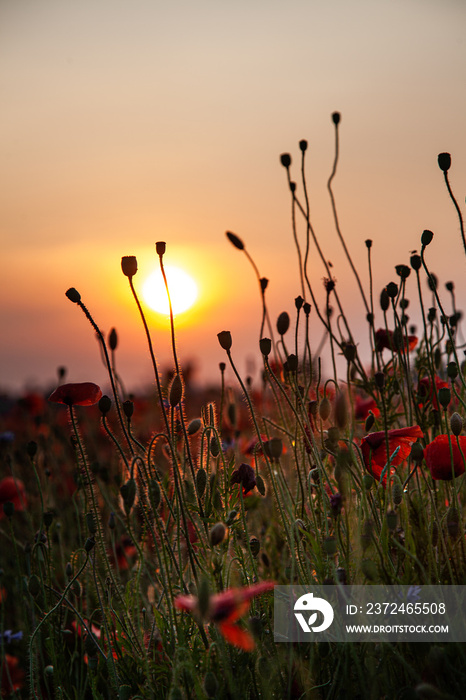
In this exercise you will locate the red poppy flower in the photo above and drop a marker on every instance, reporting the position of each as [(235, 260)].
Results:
[(426, 392), (80, 394), (245, 476), (363, 406), (374, 448), (12, 675), (438, 457), (390, 340), (226, 608), (12, 490)]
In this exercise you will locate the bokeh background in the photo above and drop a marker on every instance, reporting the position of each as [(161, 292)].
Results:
[(125, 123)]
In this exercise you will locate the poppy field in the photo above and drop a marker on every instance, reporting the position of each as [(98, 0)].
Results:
[(142, 536)]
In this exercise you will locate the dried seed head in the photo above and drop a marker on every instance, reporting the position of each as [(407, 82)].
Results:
[(368, 243), (303, 145), (285, 160), (415, 261), (160, 248), (73, 295), (235, 240), (264, 282), (298, 302), (426, 237), (336, 116), (403, 271), (307, 308), (129, 265), (265, 345), (444, 161), (432, 282), (392, 290)]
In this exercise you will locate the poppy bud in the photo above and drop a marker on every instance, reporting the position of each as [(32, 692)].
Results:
[(34, 586), (201, 482), (397, 493), (367, 481), (128, 494), (224, 338), (336, 118), (265, 345), (214, 447), (176, 391), (444, 161), (392, 519), (370, 420), (416, 261), (89, 544), (285, 160), (325, 408), (444, 397), (453, 522), (452, 370), (31, 449), (154, 493), (129, 265), (260, 485), (73, 295), (217, 534), (160, 248), (111, 521), (273, 448), (255, 546), (392, 290), (432, 282), (307, 308), (456, 424), (379, 379), (426, 237), (329, 546), (384, 300), (298, 302), (292, 363), (283, 323), (91, 524), (235, 240), (417, 453), (194, 426), (113, 339), (128, 408), (48, 519), (69, 570)]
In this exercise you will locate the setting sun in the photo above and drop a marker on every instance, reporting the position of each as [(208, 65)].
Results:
[(182, 287)]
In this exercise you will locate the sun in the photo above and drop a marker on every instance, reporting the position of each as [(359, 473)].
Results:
[(182, 287)]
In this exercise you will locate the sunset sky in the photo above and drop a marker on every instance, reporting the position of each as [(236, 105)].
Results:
[(128, 122)]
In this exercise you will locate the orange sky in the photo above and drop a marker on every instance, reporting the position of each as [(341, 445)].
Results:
[(127, 123)]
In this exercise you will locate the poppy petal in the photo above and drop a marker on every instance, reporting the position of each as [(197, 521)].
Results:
[(237, 636)]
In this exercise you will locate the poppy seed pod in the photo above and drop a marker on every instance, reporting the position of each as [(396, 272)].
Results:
[(160, 248), (73, 295), (128, 408), (426, 237), (265, 345), (403, 271), (336, 116), (368, 243), (105, 404), (129, 265), (416, 262), (224, 338), (303, 145), (392, 290), (283, 323), (444, 161), (263, 282), (235, 240), (285, 160)]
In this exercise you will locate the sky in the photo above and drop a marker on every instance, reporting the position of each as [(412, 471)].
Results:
[(126, 123)]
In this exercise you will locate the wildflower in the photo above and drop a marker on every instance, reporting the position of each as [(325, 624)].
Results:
[(426, 391), (439, 458), (12, 676), (80, 394), (12, 491), (363, 406), (8, 636), (374, 448), (225, 609), (245, 476), (391, 340)]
